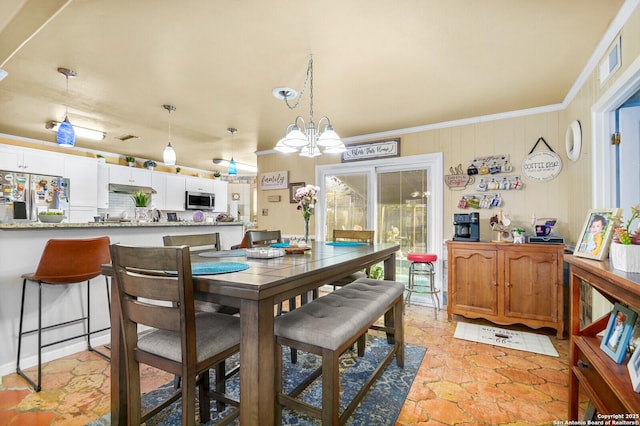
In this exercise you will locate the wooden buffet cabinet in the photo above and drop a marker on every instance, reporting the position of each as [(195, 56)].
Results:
[(606, 383), (507, 283)]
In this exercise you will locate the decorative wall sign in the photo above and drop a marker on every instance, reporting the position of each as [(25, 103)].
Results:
[(371, 150), (458, 180), (542, 166), (274, 180)]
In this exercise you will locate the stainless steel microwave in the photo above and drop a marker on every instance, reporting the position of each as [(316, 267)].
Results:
[(200, 201)]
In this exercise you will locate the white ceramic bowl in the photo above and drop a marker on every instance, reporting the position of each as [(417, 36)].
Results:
[(51, 218)]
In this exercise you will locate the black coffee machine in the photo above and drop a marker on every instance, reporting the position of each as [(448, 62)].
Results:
[(466, 227)]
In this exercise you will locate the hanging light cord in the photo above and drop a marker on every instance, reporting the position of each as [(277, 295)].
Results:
[(308, 78)]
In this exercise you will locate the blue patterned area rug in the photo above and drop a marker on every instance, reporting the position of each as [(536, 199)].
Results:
[(381, 405)]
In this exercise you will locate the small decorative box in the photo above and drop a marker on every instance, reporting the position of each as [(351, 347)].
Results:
[(264, 252)]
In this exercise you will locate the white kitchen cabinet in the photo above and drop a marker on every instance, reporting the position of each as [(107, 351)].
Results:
[(174, 193), (220, 189), (159, 183), (196, 184), (34, 161), (82, 173), (103, 186), (124, 175)]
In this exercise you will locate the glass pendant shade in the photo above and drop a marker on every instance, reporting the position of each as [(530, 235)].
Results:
[(66, 137), (233, 169), (310, 151), (281, 147), (169, 155), (329, 138), (295, 138)]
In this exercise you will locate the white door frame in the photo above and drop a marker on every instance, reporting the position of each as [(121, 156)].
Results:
[(603, 125), (435, 185)]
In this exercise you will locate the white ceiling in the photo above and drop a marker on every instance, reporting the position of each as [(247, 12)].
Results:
[(378, 66)]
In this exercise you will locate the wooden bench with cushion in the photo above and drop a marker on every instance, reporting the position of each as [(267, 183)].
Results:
[(328, 326)]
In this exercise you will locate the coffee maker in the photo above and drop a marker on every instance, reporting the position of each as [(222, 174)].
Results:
[(466, 226)]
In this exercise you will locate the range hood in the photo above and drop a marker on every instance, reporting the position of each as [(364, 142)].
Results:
[(130, 189)]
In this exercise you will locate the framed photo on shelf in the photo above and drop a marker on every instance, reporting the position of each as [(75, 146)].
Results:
[(618, 332), (293, 187), (634, 369), (596, 234)]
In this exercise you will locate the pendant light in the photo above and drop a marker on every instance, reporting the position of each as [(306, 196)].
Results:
[(233, 169), (169, 154), (66, 137)]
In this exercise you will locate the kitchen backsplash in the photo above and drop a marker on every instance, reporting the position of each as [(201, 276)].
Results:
[(121, 205)]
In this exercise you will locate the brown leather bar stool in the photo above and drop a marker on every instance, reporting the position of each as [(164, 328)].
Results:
[(422, 264), (64, 262)]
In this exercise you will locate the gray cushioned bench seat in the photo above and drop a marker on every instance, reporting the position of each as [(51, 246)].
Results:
[(329, 325), (329, 321)]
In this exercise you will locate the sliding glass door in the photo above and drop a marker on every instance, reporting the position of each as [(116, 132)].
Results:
[(400, 199)]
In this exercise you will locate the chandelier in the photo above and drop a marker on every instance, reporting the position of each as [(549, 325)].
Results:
[(307, 138)]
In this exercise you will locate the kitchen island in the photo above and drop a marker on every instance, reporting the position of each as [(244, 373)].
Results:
[(22, 243)]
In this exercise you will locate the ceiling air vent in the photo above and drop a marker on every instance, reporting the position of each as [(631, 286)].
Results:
[(125, 138)]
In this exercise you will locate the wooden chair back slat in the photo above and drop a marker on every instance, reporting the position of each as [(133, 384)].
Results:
[(196, 242), (263, 238), (353, 235)]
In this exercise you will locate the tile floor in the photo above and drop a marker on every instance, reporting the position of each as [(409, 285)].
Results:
[(458, 383)]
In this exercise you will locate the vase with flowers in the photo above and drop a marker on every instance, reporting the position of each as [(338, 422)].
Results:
[(306, 200), (624, 252)]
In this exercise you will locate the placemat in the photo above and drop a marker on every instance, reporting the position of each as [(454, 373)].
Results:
[(345, 243), (212, 268), (280, 245), (223, 253)]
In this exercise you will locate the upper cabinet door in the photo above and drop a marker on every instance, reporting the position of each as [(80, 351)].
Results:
[(129, 175), (174, 195), (199, 185), (83, 181), (33, 161)]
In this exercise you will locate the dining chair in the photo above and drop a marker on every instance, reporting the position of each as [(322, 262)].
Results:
[(181, 341), (263, 238), (196, 242), (361, 236), (64, 262)]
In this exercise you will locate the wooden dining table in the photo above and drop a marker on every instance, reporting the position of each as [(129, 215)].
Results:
[(255, 291)]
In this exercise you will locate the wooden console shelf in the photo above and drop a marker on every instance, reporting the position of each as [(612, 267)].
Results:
[(507, 283), (606, 383)]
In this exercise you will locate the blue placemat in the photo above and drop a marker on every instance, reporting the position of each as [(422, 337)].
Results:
[(280, 245), (223, 253), (212, 268), (346, 243)]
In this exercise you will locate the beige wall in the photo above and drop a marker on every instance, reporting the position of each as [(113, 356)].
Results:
[(567, 197)]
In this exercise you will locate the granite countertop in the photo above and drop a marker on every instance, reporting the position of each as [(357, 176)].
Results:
[(7, 226)]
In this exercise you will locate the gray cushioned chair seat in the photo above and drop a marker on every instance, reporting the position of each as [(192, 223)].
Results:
[(214, 333), (343, 311)]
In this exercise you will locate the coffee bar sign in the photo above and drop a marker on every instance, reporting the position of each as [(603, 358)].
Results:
[(274, 180), (372, 150)]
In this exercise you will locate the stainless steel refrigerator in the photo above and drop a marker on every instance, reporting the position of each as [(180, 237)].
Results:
[(24, 195)]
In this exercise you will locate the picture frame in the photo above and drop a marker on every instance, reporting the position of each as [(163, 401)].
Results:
[(293, 187), (618, 332), (594, 240), (172, 217), (634, 369)]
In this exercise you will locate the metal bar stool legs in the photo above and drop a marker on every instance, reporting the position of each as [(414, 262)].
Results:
[(422, 264), (37, 385)]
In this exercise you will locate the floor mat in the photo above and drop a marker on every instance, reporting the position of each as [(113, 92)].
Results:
[(519, 340), (380, 407)]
